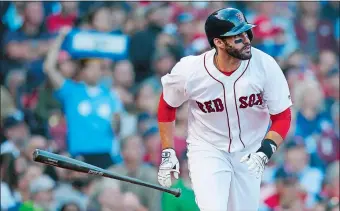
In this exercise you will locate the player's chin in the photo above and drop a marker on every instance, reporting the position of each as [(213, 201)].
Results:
[(246, 56)]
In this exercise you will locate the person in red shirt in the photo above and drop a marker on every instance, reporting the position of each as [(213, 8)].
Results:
[(287, 195), (67, 16)]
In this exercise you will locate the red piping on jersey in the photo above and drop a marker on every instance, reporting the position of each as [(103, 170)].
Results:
[(225, 103), (238, 117)]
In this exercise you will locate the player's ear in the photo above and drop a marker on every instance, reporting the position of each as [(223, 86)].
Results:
[(219, 43)]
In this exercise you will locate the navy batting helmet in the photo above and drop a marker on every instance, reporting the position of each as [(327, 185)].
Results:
[(227, 22)]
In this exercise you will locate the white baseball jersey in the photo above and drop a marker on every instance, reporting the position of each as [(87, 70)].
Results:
[(230, 112)]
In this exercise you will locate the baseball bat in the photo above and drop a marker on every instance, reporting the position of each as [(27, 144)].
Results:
[(60, 161)]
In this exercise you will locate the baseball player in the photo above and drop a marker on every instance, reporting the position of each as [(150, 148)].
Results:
[(239, 114)]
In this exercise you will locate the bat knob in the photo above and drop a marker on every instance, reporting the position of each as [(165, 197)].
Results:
[(35, 154), (178, 192)]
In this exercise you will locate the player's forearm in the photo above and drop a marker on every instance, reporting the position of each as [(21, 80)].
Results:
[(277, 132), (50, 64), (53, 52), (166, 132)]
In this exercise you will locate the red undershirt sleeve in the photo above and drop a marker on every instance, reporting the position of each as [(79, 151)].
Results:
[(166, 113), (281, 122)]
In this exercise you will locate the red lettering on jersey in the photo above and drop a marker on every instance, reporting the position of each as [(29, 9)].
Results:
[(243, 101), (201, 106), (259, 99), (208, 106), (254, 99), (251, 100), (218, 105)]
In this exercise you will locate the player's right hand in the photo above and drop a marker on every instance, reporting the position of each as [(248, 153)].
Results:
[(169, 165)]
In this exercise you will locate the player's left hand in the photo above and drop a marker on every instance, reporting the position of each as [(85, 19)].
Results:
[(168, 167), (256, 162)]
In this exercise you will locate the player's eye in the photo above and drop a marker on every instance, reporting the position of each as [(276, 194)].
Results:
[(238, 40)]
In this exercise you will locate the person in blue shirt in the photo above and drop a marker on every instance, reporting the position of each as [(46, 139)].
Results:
[(91, 109)]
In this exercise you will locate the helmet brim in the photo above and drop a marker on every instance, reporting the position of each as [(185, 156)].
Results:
[(239, 30)]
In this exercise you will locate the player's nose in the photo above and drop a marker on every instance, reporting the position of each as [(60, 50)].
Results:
[(245, 38)]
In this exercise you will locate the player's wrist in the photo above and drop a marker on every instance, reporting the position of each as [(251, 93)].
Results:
[(168, 152), (268, 147)]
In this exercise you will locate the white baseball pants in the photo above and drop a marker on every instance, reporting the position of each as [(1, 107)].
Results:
[(220, 182)]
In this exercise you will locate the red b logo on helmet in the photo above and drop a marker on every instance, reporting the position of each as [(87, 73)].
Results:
[(240, 16)]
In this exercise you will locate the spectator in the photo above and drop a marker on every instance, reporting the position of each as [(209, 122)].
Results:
[(33, 143), (124, 86), (269, 38), (331, 188), (66, 17), (119, 17), (152, 145), (48, 110), (101, 20), (132, 203), (133, 166), (72, 187), (124, 77), (186, 31), (15, 79), (187, 200), (145, 121), (142, 45), (310, 115), (27, 46), (10, 197), (21, 165), (88, 119), (32, 172), (314, 34), (296, 162), (41, 195), (106, 196), (16, 132), (7, 103), (327, 67), (287, 194), (146, 99), (332, 88), (168, 41), (46, 102), (163, 61), (329, 139)]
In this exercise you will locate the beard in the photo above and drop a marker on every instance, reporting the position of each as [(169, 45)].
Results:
[(238, 54)]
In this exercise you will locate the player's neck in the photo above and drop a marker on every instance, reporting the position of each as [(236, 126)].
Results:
[(225, 62)]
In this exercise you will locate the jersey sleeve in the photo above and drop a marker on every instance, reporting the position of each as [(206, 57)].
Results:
[(276, 91), (66, 90), (175, 85)]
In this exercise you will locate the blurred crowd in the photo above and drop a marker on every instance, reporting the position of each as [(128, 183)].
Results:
[(303, 37)]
